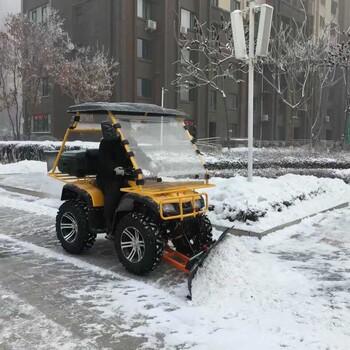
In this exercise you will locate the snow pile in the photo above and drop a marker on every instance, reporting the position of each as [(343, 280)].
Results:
[(228, 273), (269, 201), (23, 167), (251, 280)]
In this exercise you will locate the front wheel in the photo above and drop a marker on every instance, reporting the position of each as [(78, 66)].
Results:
[(138, 243), (72, 227)]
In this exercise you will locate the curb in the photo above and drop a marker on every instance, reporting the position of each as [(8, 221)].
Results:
[(240, 232)]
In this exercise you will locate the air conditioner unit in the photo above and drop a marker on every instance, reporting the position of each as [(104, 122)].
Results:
[(327, 118), (183, 30), (151, 25), (265, 118)]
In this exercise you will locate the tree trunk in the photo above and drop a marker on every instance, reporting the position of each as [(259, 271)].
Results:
[(228, 141)]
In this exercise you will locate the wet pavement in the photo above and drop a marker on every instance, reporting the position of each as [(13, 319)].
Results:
[(35, 310)]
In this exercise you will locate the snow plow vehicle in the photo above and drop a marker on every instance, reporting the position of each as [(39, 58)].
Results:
[(161, 213)]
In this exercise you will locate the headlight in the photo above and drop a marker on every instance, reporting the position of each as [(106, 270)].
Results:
[(169, 208), (199, 203)]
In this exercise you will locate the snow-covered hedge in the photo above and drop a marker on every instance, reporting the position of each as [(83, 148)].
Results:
[(14, 151), (274, 162), (266, 202)]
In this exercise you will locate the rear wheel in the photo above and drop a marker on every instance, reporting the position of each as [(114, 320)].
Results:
[(72, 227), (138, 243), (196, 234)]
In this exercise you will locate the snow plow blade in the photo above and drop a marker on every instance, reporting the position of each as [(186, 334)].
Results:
[(196, 261)]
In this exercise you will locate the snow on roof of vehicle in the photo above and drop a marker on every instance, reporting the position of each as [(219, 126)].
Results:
[(126, 108)]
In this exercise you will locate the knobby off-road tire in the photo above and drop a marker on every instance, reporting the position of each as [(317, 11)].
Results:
[(205, 236), (72, 227), (199, 232), (138, 243)]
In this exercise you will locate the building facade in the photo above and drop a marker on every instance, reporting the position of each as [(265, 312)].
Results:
[(141, 35)]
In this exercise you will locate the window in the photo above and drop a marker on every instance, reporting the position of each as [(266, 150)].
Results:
[(38, 14), (213, 100), (186, 93), (143, 9), (41, 123), (281, 133), (333, 30), (256, 104), (226, 5), (185, 55), (232, 129), (334, 7), (144, 88), (33, 15), (212, 129), (45, 87), (323, 2), (43, 13), (143, 49), (322, 22), (233, 101), (235, 5), (187, 19)]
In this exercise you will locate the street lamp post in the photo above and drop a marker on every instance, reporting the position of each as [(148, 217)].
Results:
[(161, 122), (261, 49), (251, 89)]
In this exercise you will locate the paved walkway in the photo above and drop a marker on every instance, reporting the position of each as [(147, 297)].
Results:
[(37, 277), (45, 294)]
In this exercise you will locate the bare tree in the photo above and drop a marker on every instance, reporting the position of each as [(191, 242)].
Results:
[(29, 53), (339, 58), (296, 69), (34, 52), (10, 84), (207, 59), (87, 76)]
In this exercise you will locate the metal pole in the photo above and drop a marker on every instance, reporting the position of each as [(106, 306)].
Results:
[(162, 100), (161, 118), (251, 90)]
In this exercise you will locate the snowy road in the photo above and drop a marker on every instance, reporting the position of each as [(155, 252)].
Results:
[(289, 290)]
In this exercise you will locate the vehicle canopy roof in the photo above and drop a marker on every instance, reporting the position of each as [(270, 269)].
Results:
[(125, 108)]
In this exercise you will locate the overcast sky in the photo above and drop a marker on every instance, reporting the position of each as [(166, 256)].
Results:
[(8, 6)]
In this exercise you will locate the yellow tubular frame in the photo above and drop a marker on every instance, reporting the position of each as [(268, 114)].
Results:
[(180, 200), (190, 137), (127, 148), (68, 131)]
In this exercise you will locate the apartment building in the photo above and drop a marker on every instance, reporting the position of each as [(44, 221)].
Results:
[(273, 119), (141, 34)]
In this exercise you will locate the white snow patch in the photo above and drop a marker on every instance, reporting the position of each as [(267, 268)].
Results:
[(23, 167), (29, 204)]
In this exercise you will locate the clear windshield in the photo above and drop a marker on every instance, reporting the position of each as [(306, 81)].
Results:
[(162, 147)]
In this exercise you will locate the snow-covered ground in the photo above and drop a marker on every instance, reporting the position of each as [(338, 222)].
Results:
[(288, 290)]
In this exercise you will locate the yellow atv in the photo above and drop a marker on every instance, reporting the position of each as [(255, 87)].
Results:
[(160, 214)]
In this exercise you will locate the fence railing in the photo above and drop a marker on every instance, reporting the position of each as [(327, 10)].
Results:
[(209, 144), (304, 143)]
